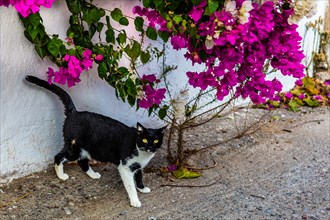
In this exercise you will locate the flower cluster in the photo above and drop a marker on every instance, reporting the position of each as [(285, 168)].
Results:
[(236, 43), (26, 7), (71, 73), (150, 96), (153, 16)]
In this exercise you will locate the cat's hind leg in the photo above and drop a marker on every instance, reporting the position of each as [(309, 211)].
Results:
[(83, 163), (139, 183), (59, 162)]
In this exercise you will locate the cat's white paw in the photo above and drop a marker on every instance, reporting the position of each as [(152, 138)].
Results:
[(93, 175), (136, 203), (63, 176), (144, 190)]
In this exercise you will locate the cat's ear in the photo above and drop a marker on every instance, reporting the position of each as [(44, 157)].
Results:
[(162, 130), (139, 128)]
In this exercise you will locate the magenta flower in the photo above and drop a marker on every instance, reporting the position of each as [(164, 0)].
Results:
[(288, 95), (72, 72), (301, 96), (7, 2), (152, 97), (149, 78), (327, 82), (318, 97), (99, 57), (87, 63), (26, 7), (172, 168), (178, 42), (196, 13), (87, 53), (299, 82), (51, 74)]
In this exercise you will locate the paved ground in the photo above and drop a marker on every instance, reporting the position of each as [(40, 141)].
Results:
[(282, 171)]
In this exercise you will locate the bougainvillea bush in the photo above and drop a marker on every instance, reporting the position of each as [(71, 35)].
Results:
[(238, 41)]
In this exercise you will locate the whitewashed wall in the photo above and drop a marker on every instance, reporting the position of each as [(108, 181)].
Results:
[(32, 118)]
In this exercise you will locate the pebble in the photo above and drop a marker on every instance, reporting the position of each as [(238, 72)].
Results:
[(67, 211), (152, 218), (122, 213)]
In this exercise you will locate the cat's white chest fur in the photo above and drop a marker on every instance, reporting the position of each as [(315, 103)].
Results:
[(142, 159)]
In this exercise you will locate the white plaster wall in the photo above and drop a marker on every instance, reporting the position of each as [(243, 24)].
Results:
[(32, 118)]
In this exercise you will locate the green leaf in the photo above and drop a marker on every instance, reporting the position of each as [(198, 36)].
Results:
[(100, 26), (92, 16), (35, 20), (107, 18), (134, 51), (310, 85), (138, 22), (122, 93), (131, 88), (145, 56), (177, 19), (33, 33), (311, 103), (92, 30), (212, 6), (146, 3), (41, 51), (169, 25), (131, 100), (74, 6), (63, 50), (151, 33), (157, 2), (74, 19), (150, 110), (102, 70), (293, 105), (53, 46), (196, 2), (72, 52), (116, 14), (110, 36), (183, 173), (164, 35), (162, 113), (275, 104), (122, 70), (123, 21), (121, 39)]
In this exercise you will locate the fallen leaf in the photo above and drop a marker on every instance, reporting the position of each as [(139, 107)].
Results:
[(183, 173)]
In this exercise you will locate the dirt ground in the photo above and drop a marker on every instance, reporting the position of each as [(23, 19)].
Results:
[(281, 171)]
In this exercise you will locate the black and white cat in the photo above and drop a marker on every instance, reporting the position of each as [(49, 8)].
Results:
[(90, 135)]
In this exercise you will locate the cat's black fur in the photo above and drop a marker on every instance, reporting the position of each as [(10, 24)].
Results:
[(90, 135)]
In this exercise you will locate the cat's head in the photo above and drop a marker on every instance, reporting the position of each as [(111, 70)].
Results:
[(149, 140)]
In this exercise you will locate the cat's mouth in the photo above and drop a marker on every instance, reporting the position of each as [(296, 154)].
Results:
[(145, 149)]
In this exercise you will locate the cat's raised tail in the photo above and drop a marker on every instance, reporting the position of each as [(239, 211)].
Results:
[(64, 96)]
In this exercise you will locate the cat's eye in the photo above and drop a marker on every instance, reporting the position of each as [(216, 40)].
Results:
[(155, 141), (145, 141)]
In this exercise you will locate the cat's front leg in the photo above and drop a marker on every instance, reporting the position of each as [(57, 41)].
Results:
[(139, 183), (127, 177)]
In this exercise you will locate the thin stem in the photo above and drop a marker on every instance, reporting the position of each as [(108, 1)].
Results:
[(210, 110)]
